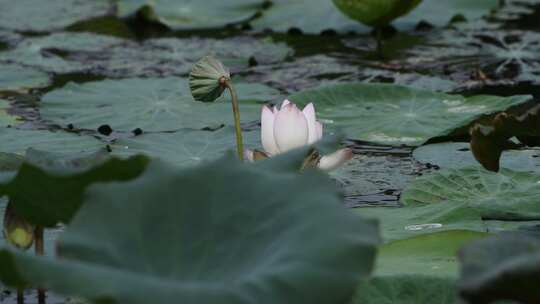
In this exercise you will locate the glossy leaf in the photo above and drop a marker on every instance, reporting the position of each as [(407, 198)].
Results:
[(391, 114)]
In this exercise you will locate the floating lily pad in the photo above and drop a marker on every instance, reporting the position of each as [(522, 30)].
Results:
[(508, 195), (309, 16), (152, 104), (433, 254), (48, 53), (407, 289), (17, 78), (391, 114), (239, 243), (188, 15), (176, 56), (500, 55), (17, 141), (415, 80), (5, 118), (440, 13), (305, 72), (32, 16), (185, 147), (459, 155)]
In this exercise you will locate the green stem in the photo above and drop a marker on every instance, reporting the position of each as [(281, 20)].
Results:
[(40, 250), (20, 295), (236, 112)]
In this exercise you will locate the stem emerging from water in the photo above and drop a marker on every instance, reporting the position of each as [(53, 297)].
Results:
[(379, 38), (40, 249), (236, 112)]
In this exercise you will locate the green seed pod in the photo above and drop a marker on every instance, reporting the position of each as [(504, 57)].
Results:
[(376, 12), (17, 230), (207, 79)]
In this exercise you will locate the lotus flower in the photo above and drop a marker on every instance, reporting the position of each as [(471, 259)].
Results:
[(289, 128)]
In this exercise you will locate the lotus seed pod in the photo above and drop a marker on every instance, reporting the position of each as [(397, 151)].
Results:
[(376, 13), (17, 230), (207, 78)]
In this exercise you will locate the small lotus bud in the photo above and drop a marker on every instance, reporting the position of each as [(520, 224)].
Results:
[(17, 231), (207, 79)]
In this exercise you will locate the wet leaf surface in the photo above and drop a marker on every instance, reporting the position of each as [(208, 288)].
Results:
[(17, 78), (29, 16), (390, 114)]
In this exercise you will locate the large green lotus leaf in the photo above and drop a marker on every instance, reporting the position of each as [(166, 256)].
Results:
[(193, 14), (440, 13), (391, 114), (18, 141), (48, 53), (184, 147), (502, 55), (65, 176), (218, 233), (407, 289), (33, 16), (457, 155), (305, 72), (152, 104), (305, 15), (432, 254), (507, 195), (398, 223), (17, 78), (503, 267), (7, 119)]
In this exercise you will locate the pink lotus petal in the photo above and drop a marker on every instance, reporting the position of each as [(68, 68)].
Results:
[(319, 130), (284, 103), (309, 112), (290, 128), (336, 159), (267, 131)]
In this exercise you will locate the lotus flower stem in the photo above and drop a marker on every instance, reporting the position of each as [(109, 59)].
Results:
[(20, 295), (40, 250), (378, 37), (236, 112)]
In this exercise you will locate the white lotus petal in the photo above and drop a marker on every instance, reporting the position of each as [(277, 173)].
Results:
[(290, 128), (319, 129), (248, 155), (284, 103), (309, 112), (267, 131), (336, 159)]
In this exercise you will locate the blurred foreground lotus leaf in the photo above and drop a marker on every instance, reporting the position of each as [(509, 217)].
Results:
[(502, 267), (218, 233), (376, 13)]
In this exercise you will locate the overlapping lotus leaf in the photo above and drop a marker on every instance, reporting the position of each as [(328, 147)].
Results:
[(394, 115), (151, 104), (31, 16)]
